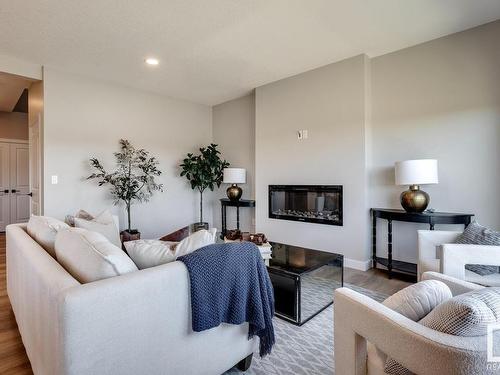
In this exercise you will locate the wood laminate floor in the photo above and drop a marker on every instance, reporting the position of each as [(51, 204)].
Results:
[(13, 359)]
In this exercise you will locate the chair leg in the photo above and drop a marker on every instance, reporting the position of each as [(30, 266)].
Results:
[(245, 363)]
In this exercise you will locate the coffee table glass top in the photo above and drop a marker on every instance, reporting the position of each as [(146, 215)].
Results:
[(298, 260)]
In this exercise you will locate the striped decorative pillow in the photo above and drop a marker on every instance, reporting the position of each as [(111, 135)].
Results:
[(476, 234)]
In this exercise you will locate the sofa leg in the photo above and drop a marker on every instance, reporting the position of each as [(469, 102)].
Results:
[(245, 363)]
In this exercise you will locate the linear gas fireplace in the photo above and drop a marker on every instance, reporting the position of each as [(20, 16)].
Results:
[(320, 204)]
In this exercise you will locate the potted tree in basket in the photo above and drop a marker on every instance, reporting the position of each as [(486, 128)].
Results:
[(204, 171), (132, 181)]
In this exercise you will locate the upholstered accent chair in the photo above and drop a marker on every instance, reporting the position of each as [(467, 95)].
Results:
[(437, 252), (359, 319)]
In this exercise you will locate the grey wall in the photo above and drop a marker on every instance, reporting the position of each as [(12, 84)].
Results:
[(234, 131), (85, 118), (329, 102), (439, 100)]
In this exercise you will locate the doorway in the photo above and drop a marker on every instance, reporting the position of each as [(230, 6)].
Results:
[(21, 114), (14, 182)]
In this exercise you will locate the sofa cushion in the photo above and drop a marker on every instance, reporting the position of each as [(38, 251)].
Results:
[(415, 302), (195, 241), (43, 229), (150, 253), (103, 224), (89, 256), (467, 314)]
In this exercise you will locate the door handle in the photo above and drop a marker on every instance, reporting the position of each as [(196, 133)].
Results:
[(30, 194), (6, 191), (13, 191)]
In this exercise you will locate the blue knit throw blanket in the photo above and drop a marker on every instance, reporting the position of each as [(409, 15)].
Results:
[(230, 284)]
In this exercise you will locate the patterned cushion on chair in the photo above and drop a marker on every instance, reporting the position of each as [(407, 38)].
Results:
[(467, 314)]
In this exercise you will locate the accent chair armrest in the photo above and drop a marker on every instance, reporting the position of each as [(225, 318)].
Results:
[(428, 240), (454, 257), (456, 286), (422, 350)]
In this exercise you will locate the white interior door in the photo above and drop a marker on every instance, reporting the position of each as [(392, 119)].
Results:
[(35, 167), (19, 183), (4, 185)]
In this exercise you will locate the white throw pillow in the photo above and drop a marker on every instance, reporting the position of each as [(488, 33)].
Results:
[(150, 253), (89, 256), (104, 224), (418, 300), (195, 241), (43, 229)]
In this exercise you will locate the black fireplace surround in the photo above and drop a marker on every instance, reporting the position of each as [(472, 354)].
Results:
[(321, 204)]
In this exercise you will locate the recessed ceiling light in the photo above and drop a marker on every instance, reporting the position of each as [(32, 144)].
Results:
[(152, 61)]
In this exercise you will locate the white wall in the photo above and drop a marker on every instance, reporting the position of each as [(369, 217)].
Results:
[(84, 118), (441, 100), (330, 103), (14, 125), (234, 131)]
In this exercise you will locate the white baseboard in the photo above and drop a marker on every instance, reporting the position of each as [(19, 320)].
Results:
[(362, 265)]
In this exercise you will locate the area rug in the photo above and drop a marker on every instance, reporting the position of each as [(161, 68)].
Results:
[(305, 350)]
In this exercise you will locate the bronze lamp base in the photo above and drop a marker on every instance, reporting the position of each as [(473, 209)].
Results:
[(414, 199), (234, 192)]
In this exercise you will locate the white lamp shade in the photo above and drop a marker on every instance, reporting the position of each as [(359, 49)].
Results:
[(416, 172), (235, 175)]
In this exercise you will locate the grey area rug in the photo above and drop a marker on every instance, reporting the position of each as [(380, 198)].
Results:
[(305, 350)]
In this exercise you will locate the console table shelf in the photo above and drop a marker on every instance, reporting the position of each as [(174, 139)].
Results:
[(225, 202), (431, 218)]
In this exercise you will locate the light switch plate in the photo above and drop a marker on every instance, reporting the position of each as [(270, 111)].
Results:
[(54, 180), (302, 134)]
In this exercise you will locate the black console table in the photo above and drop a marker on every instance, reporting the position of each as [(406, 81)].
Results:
[(225, 202), (431, 218)]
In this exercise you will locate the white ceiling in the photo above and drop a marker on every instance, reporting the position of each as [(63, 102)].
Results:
[(211, 51), (11, 88)]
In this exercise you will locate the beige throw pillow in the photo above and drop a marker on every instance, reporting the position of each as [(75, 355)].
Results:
[(150, 253), (43, 229), (89, 256), (195, 241), (104, 224)]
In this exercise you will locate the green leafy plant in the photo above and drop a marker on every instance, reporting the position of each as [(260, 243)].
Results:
[(204, 170), (134, 177)]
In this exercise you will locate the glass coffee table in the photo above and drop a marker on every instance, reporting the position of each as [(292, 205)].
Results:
[(303, 280)]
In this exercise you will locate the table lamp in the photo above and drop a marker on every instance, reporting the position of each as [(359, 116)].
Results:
[(234, 176), (414, 173)]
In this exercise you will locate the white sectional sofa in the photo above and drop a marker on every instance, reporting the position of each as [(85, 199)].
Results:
[(137, 323)]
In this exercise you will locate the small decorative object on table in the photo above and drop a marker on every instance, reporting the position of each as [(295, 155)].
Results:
[(204, 171), (234, 235), (415, 173), (258, 238), (132, 181), (234, 176)]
